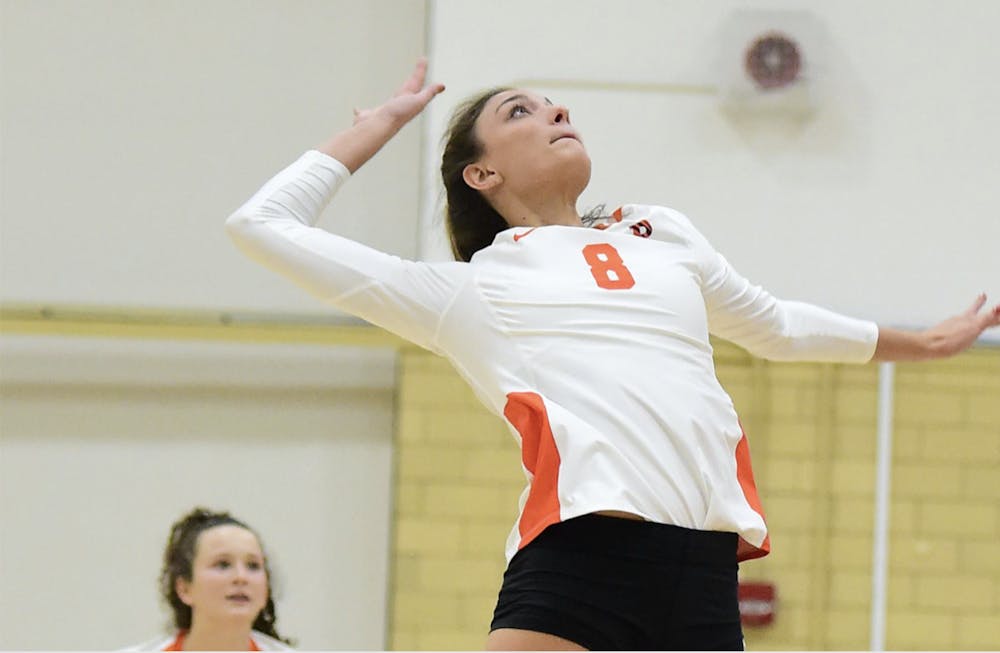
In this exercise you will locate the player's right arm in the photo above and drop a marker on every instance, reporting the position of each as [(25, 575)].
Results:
[(373, 128), (276, 228)]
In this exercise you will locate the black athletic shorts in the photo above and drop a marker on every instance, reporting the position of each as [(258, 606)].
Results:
[(607, 583)]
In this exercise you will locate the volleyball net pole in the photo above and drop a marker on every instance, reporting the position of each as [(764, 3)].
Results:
[(880, 531)]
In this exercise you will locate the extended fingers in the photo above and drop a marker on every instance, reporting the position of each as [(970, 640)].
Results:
[(994, 316), (978, 304), (432, 90), (416, 80), (987, 319)]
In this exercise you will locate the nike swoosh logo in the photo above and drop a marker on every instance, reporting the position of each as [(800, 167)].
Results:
[(518, 237)]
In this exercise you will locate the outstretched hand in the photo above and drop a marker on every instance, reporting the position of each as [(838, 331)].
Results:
[(408, 101), (958, 333), (953, 336)]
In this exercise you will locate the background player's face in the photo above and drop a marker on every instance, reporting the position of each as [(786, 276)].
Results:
[(228, 578), (530, 142)]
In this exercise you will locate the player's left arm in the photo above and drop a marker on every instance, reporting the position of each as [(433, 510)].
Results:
[(767, 326), (796, 331), (751, 317)]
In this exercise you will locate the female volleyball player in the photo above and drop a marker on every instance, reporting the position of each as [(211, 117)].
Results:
[(216, 581), (593, 344)]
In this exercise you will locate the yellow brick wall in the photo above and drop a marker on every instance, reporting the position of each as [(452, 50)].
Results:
[(812, 438), (458, 477), (946, 559)]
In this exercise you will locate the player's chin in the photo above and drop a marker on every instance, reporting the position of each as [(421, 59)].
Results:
[(578, 169)]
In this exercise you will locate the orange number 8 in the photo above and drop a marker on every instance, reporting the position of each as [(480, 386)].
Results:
[(607, 267)]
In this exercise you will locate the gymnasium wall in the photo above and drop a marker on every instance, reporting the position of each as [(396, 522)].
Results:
[(812, 440), (105, 442), (130, 131), (145, 365)]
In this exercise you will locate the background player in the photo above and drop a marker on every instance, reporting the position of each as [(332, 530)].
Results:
[(216, 580)]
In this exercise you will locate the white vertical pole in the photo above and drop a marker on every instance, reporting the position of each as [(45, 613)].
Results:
[(882, 490)]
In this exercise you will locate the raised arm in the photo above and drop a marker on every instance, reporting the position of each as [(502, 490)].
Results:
[(276, 228), (953, 336), (375, 127)]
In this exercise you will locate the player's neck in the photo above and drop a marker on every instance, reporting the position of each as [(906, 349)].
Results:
[(539, 210)]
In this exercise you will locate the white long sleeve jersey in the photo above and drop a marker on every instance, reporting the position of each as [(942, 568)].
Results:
[(592, 344)]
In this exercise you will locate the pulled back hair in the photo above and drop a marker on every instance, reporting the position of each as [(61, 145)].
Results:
[(471, 221), (178, 562)]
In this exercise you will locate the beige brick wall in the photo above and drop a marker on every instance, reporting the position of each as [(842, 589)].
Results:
[(947, 471), (457, 483), (812, 436)]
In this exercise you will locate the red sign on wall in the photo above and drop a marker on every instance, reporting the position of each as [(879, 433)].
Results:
[(756, 603)]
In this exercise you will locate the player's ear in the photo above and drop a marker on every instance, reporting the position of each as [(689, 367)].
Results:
[(183, 589), (480, 176)]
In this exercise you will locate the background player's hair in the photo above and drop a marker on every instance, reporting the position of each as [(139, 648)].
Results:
[(178, 559), (471, 221)]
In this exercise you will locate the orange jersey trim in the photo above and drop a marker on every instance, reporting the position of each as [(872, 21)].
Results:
[(540, 456), (178, 643), (744, 474)]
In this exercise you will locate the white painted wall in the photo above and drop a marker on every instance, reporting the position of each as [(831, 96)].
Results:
[(104, 444), (882, 205), (130, 130)]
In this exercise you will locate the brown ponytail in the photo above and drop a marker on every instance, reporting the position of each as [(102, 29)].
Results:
[(472, 223)]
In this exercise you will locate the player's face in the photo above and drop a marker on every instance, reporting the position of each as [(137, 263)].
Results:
[(228, 579), (531, 143)]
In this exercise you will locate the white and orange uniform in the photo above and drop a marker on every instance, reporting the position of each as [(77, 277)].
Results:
[(592, 344)]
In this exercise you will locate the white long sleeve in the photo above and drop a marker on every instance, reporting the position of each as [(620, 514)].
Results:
[(766, 326), (783, 330), (275, 228)]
